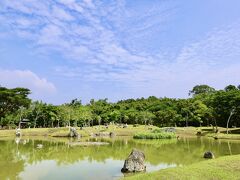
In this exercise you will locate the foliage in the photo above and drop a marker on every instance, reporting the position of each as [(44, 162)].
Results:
[(155, 134), (206, 107), (230, 88), (12, 99), (201, 89)]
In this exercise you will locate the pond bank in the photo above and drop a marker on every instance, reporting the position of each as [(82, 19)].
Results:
[(222, 168), (234, 133), (129, 131), (85, 132)]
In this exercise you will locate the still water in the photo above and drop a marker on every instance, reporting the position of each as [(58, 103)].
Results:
[(21, 159)]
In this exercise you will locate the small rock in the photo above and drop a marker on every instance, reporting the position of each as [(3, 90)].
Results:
[(199, 133), (208, 155), (39, 146), (169, 129), (112, 134), (134, 162)]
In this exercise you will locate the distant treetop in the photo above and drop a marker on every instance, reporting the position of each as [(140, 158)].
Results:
[(201, 89)]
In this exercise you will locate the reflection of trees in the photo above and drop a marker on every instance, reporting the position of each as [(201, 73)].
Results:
[(10, 164), (184, 151)]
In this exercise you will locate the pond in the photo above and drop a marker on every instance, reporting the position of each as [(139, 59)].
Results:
[(22, 159)]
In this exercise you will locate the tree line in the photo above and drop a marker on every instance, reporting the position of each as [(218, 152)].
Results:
[(205, 106)]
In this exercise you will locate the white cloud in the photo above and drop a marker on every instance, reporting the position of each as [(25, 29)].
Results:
[(220, 47), (61, 14), (103, 40), (86, 31), (26, 78)]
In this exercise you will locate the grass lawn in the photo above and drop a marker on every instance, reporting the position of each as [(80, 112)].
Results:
[(87, 131), (234, 133), (223, 168)]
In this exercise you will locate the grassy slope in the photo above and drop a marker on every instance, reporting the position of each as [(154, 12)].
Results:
[(63, 132), (234, 133), (130, 131), (223, 168)]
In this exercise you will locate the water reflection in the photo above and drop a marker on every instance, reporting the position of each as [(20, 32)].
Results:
[(21, 159)]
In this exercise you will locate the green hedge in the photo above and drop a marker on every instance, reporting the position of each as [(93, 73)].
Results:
[(155, 135)]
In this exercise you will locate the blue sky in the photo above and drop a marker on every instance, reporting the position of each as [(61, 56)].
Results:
[(66, 49)]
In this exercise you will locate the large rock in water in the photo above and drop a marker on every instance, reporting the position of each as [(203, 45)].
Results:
[(134, 162), (208, 155)]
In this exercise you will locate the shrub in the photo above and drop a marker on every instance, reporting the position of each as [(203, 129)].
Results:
[(155, 135), (157, 131)]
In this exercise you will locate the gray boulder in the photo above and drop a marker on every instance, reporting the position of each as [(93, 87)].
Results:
[(134, 162), (170, 129), (208, 155), (73, 132)]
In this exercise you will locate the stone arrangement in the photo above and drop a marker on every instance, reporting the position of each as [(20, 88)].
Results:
[(134, 162)]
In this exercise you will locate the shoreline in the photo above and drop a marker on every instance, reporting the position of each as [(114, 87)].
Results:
[(226, 167), (63, 132)]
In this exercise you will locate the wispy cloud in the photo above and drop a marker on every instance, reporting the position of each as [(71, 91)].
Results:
[(218, 47), (88, 32), (103, 42)]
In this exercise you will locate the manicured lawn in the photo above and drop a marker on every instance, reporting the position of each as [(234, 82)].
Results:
[(234, 133), (87, 131), (224, 168)]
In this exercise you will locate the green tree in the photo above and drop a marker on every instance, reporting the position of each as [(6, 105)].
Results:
[(201, 89), (230, 88), (12, 99)]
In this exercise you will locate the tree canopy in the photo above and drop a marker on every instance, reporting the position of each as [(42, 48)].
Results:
[(201, 89), (206, 107), (12, 99)]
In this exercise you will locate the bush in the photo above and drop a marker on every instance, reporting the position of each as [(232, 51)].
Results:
[(157, 131), (156, 134)]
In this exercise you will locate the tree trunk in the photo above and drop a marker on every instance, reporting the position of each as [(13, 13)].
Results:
[(229, 119), (35, 122)]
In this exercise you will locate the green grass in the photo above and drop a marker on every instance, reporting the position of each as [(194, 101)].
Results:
[(52, 132), (224, 136), (234, 133), (129, 131), (224, 168), (155, 134), (87, 131)]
